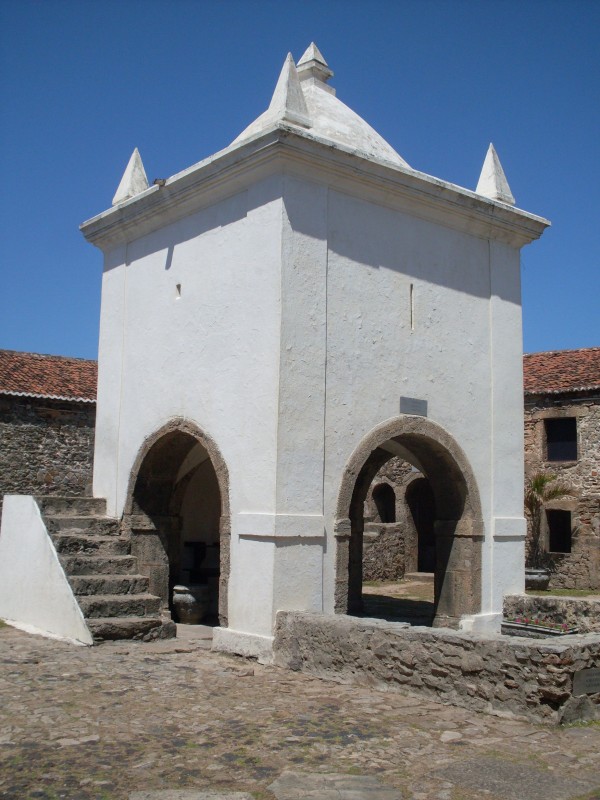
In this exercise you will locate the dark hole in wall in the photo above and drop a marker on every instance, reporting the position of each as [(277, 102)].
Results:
[(559, 530), (384, 498), (561, 439)]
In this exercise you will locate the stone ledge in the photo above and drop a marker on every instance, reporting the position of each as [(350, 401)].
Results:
[(525, 678)]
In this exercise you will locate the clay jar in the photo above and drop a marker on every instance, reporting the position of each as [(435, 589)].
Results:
[(190, 603)]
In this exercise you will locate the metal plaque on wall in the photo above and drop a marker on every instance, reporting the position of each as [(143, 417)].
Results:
[(586, 681), (412, 405)]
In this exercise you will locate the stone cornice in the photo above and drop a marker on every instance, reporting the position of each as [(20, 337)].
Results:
[(284, 150)]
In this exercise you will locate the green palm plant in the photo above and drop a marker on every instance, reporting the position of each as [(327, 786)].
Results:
[(541, 488)]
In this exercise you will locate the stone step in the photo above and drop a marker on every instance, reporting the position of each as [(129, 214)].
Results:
[(74, 506), (94, 525), (86, 544), (118, 605), (144, 628), (98, 565), (109, 584)]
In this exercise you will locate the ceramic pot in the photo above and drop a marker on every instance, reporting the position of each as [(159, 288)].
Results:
[(190, 603), (537, 579)]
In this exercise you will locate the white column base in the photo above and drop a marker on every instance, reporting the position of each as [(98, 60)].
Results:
[(249, 645), (481, 623)]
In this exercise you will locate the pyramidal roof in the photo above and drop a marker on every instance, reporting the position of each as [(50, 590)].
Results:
[(303, 99)]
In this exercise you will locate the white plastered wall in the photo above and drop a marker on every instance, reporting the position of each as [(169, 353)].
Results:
[(190, 328), (442, 351), (34, 592), (280, 322)]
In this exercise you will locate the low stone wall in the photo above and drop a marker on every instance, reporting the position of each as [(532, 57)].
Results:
[(527, 678), (46, 446), (574, 611)]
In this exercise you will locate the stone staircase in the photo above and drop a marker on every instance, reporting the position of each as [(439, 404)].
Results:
[(96, 557)]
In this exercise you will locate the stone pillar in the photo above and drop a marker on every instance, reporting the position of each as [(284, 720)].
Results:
[(342, 531), (224, 568), (458, 572)]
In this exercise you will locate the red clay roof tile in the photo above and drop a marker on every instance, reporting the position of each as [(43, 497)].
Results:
[(562, 371), (56, 377)]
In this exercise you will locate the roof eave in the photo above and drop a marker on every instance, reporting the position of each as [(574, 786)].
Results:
[(232, 169), (63, 398)]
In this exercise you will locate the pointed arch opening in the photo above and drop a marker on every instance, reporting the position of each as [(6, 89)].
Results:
[(453, 503), (177, 510)]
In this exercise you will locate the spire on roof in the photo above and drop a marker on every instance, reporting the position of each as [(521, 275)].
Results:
[(288, 101), (312, 66), (134, 179), (492, 181)]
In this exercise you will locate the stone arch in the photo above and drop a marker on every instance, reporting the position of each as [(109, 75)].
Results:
[(458, 526), (156, 489)]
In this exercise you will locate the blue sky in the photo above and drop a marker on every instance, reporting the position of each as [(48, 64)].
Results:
[(82, 82)]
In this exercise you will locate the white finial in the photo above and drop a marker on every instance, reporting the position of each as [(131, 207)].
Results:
[(492, 181), (288, 101), (312, 66), (134, 179)]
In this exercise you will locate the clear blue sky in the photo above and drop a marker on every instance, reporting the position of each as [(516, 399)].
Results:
[(83, 83)]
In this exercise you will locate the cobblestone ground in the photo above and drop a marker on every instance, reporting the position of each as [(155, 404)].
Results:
[(106, 722)]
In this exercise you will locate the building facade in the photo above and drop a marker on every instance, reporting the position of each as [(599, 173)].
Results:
[(562, 437), (278, 322), (47, 419)]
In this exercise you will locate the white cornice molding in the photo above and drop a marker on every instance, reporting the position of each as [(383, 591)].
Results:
[(283, 149)]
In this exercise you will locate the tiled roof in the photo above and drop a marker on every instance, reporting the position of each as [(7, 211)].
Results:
[(52, 377), (562, 371)]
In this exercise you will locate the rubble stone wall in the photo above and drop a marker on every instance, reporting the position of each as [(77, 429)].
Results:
[(581, 567), (530, 678), (46, 446), (574, 611), (390, 549)]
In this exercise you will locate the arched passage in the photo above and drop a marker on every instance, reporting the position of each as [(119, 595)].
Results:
[(384, 498), (458, 524), (177, 508), (421, 503)]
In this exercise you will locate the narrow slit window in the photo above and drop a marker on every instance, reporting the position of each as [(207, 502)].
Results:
[(412, 306)]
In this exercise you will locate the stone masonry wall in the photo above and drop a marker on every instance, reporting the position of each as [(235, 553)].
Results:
[(526, 677), (46, 446), (390, 549), (581, 567), (574, 611)]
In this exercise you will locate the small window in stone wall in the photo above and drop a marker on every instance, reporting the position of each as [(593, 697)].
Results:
[(561, 439), (384, 498), (559, 530)]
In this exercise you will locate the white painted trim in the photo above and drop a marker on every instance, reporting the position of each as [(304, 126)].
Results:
[(481, 623), (510, 527), (231, 170)]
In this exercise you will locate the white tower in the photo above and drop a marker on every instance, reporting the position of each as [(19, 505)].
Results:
[(277, 321)]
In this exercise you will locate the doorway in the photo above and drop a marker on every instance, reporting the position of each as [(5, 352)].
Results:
[(177, 511)]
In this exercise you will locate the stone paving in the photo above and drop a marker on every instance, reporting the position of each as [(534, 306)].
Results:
[(172, 721)]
